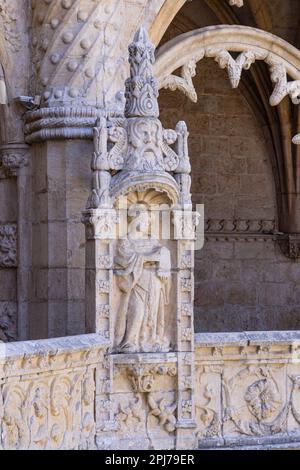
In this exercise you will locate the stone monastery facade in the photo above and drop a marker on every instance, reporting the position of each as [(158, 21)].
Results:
[(149, 224)]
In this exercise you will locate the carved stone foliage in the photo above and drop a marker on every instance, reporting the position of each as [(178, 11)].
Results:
[(240, 226), (150, 418), (130, 417), (141, 88), (243, 394), (183, 83), (142, 376), (144, 404), (12, 162), (47, 400), (8, 246), (48, 413), (235, 67)]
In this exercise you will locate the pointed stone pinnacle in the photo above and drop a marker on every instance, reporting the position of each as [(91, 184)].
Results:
[(141, 88)]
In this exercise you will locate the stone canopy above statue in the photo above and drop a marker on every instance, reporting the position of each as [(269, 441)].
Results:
[(136, 153)]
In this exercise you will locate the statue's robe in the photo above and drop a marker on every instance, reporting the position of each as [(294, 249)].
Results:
[(140, 322)]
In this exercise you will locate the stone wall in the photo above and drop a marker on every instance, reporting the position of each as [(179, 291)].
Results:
[(242, 281)]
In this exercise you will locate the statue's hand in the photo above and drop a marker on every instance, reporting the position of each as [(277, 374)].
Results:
[(163, 276)]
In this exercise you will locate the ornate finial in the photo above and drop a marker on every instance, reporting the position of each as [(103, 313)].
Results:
[(141, 87)]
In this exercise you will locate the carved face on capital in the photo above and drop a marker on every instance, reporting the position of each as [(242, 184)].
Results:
[(145, 138)]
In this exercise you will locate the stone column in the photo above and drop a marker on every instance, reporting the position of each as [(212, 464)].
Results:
[(15, 161), (79, 68), (76, 49)]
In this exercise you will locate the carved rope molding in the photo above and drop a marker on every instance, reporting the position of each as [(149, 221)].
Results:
[(253, 44)]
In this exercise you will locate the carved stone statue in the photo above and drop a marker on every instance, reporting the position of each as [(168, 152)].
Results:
[(143, 271)]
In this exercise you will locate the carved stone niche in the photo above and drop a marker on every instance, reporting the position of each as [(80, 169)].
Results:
[(144, 276), (290, 245)]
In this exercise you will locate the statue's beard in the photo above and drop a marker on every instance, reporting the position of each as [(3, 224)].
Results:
[(151, 157)]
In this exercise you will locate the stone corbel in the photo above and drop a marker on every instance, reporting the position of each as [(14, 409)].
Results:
[(290, 245)]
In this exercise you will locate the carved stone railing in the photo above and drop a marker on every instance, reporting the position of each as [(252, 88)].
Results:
[(57, 394), (48, 393), (248, 389)]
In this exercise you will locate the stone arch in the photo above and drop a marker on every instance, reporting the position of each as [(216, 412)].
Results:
[(163, 19), (250, 45), (217, 42)]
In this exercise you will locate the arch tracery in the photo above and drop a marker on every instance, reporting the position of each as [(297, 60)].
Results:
[(219, 42)]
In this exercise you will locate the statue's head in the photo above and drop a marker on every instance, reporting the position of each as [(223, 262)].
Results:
[(145, 143), (139, 221)]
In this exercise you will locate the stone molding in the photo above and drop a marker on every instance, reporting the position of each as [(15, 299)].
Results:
[(64, 122), (240, 230)]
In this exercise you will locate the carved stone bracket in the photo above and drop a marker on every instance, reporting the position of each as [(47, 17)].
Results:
[(290, 245), (142, 376)]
